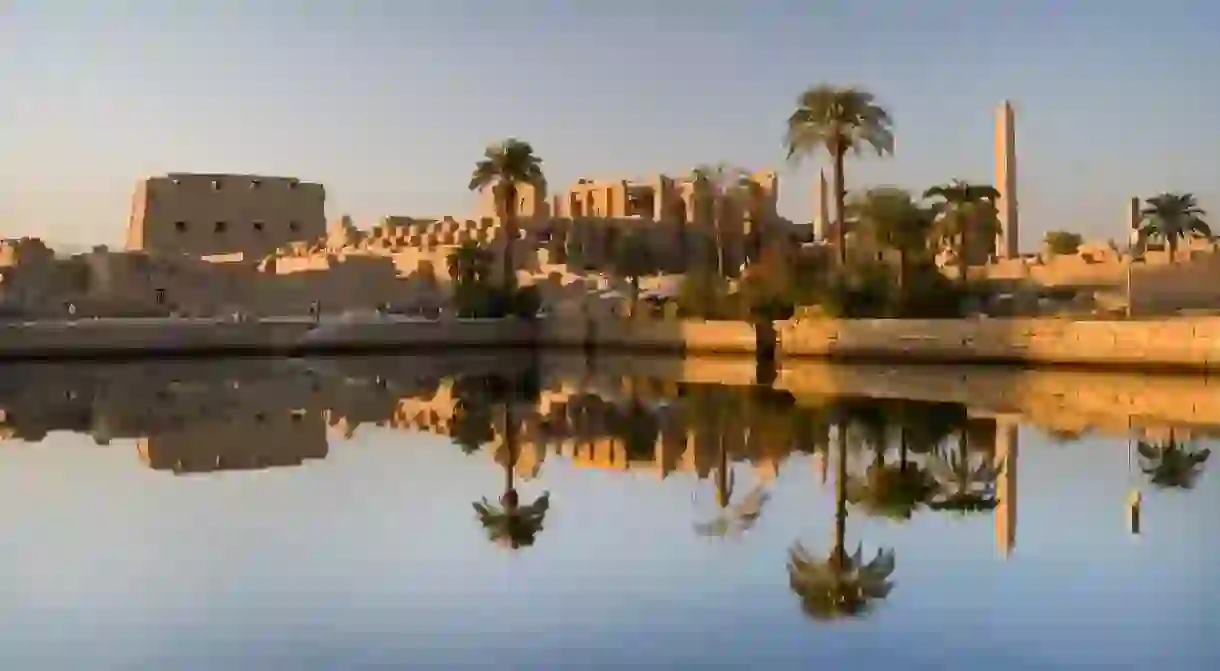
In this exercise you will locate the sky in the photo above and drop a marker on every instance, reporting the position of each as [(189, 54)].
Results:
[(389, 103)]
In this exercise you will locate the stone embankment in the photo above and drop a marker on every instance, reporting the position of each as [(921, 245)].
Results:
[(1184, 343), (90, 338)]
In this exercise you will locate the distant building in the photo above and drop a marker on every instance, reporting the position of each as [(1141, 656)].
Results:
[(205, 214)]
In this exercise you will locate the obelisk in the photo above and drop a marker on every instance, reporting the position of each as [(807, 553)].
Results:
[(1007, 243), (823, 218), (1134, 219)]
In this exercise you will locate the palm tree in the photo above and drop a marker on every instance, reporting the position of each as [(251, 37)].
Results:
[(1173, 217), (893, 218), (469, 263), (964, 209), (838, 121), (961, 488), (717, 187), (841, 585), (1172, 464), (502, 168), (632, 259)]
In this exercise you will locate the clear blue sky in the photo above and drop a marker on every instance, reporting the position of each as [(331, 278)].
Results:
[(390, 102)]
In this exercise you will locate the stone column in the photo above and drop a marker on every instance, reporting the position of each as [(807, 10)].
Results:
[(1007, 244), (1133, 223)]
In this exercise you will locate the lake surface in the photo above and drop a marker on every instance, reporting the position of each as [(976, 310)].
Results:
[(380, 513)]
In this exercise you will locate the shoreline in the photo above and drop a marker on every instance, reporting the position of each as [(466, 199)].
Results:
[(1177, 346)]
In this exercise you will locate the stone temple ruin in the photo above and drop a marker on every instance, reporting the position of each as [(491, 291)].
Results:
[(203, 244)]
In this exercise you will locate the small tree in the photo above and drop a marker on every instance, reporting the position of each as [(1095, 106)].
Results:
[(632, 259), (1062, 243), (705, 293), (965, 210)]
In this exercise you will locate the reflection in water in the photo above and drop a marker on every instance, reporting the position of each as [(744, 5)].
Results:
[(1171, 463), (842, 585), (511, 524), (891, 461)]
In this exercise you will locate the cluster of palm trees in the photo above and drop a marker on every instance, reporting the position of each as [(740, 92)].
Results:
[(934, 466), (838, 122)]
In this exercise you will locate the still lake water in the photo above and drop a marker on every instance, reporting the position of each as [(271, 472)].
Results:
[(319, 514)]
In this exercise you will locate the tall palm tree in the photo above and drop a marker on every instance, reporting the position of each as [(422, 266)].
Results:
[(502, 168), (1171, 463), (841, 585), (1173, 217), (964, 210), (893, 219), (838, 120)]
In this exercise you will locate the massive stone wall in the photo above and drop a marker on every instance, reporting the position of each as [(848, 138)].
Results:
[(202, 214)]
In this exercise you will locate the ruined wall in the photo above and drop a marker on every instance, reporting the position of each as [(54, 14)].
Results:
[(202, 214)]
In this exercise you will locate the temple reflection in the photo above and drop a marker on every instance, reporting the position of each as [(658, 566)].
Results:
[(262, 439)]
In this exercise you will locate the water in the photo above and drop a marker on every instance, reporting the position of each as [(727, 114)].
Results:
[(315, 514)]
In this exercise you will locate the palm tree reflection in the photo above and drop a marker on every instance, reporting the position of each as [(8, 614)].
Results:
[(963, 488), (735, 519), (842, 585), (511, 523), (897, 490), (1172, 464)]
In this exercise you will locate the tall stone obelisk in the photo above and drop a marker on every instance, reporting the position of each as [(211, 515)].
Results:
[(823, 219), (1007, 242), (1134, 219)]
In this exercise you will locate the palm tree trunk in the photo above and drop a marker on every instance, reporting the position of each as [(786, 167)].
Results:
[(840, 551), (510, 444), (635, 294), (1172, 243), (683, 248), (722, 476), (840, 205), (510, 235), (963, 255), (902, 448), (717, 216)]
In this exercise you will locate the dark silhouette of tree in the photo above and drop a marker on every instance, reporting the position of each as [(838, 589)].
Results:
[(838, 121), (963, 487), (1173, 217), (1172, 464), (502, 168)]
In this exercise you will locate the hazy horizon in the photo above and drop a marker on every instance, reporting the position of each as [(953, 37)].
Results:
[(389, 104)]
